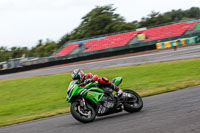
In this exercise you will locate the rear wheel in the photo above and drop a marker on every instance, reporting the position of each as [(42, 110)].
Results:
[(133, 104), (81, 114)]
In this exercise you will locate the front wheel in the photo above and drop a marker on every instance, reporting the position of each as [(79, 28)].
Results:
[(81, 114), (133, 104)]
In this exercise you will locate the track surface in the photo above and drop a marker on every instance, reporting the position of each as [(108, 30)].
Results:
[(174, 112), (168, 55)]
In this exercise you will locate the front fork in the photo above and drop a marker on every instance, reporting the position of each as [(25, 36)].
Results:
[(82, 103)]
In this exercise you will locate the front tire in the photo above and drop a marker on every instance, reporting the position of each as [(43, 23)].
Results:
[(82, 115), (136, 106)]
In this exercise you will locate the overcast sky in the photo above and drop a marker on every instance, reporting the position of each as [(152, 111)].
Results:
[(24, 22)]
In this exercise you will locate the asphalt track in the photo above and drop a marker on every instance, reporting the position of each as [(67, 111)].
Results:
[(174, 112), (167, 55)]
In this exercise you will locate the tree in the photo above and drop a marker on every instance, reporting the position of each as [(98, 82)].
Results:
[(99, 21)]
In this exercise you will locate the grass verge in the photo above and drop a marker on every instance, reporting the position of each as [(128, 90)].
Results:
[(31, 98)]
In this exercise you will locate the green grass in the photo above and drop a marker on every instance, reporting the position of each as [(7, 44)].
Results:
[(36, 97)]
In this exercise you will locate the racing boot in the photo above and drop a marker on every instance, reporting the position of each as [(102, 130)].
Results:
[(119, 91), (123, 95)]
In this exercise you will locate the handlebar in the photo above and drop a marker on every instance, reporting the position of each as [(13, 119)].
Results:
[(85, 82), (81, 84)]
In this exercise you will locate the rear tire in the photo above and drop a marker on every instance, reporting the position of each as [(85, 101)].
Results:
[(133, 107), (78, 116)]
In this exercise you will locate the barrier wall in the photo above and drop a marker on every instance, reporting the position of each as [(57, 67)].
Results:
[(78, 58), (177, 42)]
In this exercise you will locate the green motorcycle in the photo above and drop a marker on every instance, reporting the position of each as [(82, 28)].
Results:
[(89, 100)]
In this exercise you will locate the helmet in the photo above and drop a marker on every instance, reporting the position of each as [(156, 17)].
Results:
[(77, 74)]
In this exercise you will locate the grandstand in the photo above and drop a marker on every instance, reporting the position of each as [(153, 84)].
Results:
[(122, 39), (67, 49), (160, 37)]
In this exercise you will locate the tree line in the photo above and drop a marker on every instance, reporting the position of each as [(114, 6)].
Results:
[(99, 21)]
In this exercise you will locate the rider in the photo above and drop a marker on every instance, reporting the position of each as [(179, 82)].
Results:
[(79, 75)]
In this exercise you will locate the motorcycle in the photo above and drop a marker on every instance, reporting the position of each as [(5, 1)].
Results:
[(89, 100)]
